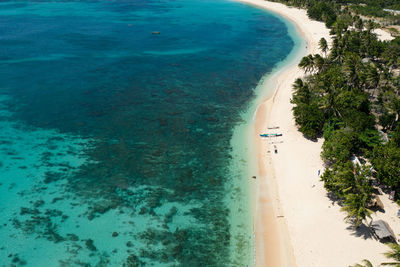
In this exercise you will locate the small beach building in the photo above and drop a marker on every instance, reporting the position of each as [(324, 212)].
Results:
[(383, 231)]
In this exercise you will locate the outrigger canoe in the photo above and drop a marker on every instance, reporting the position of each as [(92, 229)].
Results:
[(271, 135)]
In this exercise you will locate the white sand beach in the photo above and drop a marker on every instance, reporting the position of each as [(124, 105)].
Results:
[(383, 35), (295, 222)]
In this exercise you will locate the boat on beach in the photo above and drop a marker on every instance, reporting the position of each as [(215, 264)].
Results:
[(271, 135)]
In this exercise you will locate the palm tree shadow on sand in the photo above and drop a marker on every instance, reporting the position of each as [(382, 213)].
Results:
[(361, 231)]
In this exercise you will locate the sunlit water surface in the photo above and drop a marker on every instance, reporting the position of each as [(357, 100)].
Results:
[(115, 142)]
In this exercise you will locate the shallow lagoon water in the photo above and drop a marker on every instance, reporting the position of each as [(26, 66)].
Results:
[(115, 143)]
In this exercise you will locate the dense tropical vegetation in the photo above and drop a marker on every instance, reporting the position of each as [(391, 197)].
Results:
[(351, 98), (327, 11)]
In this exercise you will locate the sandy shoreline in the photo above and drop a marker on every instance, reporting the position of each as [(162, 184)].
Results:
[(295, 223)]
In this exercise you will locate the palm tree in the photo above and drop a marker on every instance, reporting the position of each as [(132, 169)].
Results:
[(351, 67), (359, 25), (301, 93), (323, 45), (330, 105), (356, 207), (372, 77), (393, 254), (385, 76), (366, 263), (371, 25), (358, 197), (307, 63), (298, 84), (319, 62)]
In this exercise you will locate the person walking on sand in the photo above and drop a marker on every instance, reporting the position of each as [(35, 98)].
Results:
[(319, 172)]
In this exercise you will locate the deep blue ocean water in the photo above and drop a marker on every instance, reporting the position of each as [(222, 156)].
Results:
[(115, 142)]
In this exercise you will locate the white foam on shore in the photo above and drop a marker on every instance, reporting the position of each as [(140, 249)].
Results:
[(242, 142), (304, 219)]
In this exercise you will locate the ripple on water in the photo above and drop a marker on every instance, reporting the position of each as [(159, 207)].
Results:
[(115, 144)]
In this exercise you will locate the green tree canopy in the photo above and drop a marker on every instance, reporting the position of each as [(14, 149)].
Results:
[(339, 147), (386, 162)]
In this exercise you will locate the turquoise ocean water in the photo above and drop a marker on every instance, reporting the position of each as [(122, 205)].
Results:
[(115, 143)]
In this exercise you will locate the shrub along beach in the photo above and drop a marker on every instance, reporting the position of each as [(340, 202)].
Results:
[(338, 167)]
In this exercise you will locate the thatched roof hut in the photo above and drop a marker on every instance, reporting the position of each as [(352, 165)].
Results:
[(383, 231)]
